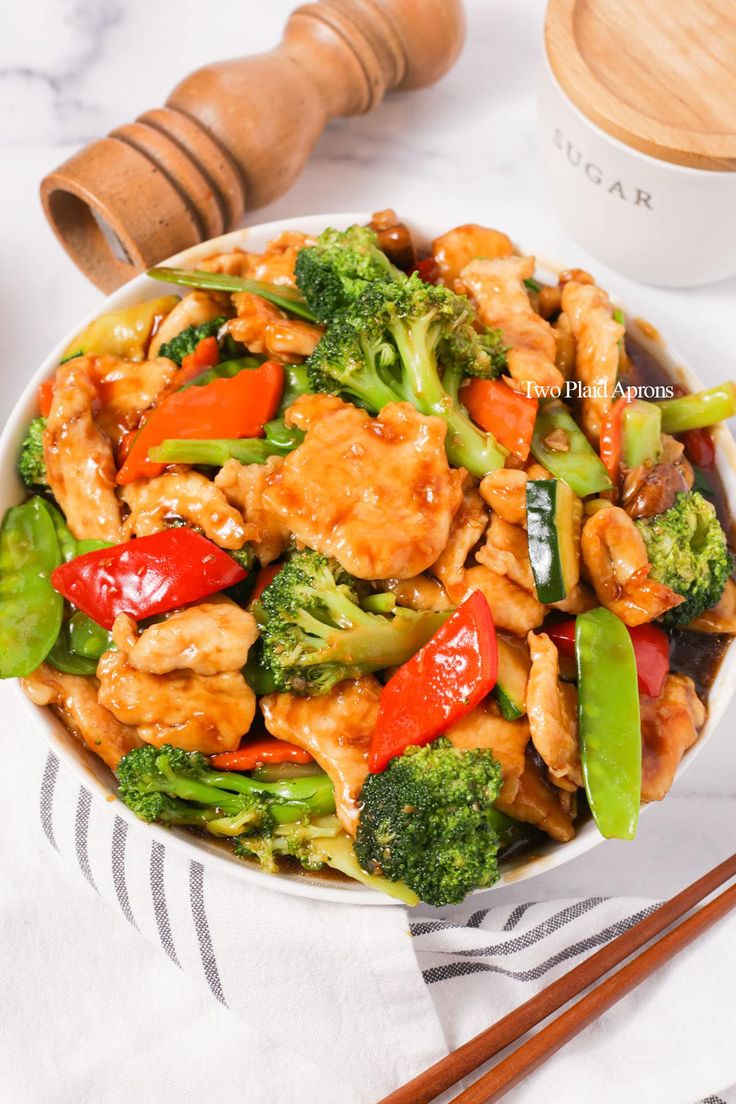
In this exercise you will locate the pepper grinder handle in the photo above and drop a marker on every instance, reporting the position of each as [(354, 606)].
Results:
[(234, 135)]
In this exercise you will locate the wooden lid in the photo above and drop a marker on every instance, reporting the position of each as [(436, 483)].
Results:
[(659, 75)]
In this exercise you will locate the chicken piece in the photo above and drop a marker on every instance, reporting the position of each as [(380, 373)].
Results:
[(597, 335), (275, 266), (207, 713), (75, 700), (467, 529), (126, 389), (208, 638), (536, 471), (551, 707), (497, 288), (336, 729), (505, 492), (308, 410), (722, 617), (419, 593), (566, 346), (579, 600), (80, 467), (196, 308), (514, 609), (538, 803), (263, 328), (376, 493), (243, 486), (669, 726), (484, 727), (457, 248), (506, 551), (615, 557), (188, 495)]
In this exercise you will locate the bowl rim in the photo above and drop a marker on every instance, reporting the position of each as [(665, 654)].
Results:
[(93, 774)]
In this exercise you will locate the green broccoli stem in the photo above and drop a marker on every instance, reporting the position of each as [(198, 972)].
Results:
[(467, 446), (180, 814), (292, 799), (367, 641), (289, 299), (697, 411), (215, 453)]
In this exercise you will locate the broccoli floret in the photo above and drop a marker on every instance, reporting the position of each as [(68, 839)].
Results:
[(244, 556), (407, 326), (314, 633), (467, 352), (31, 464), (333, 273), (687, 549), (186, 342), (429, 821), (179, 787)]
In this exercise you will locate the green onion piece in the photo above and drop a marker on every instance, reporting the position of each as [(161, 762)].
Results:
[(704, 408), (288, 298), (532, 285)]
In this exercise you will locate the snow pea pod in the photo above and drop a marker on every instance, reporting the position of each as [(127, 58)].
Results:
[(79, 645), (30, 609), (610, 729), (64, 659), (68, 547)]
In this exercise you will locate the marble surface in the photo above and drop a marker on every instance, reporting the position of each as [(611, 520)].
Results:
[(464, 150)]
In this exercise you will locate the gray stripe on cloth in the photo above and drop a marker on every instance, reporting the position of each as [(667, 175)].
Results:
[(516, 915), (528, 939), (462, 969), (202, 928), (81, 832), (119, 839), (46, 801), (158, 896), (713, 1100)]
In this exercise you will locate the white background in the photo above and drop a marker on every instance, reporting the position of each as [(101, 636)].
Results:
[(465, 150)]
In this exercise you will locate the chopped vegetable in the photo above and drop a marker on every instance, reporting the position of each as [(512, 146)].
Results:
[(257, 752), (507, 414), (288, 298), (45, 396), (553, 552), (641, 424), (429, 820), (699, 447), (334, 272), (30, 609), (443, 682), (146, 576), (687, 549), (224, 369), (188, 342), (513, 674), (246, 450), (236, 407), (31, 463), (124, 333), (561, 446), (264, 578), (651, 652), (610, 443), (701, 409), (610, 732)]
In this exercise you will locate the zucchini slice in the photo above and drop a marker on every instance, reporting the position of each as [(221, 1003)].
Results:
[(513, 674), (553, 520)]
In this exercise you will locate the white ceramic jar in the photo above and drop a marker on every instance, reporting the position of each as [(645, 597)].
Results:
[(653, 218)]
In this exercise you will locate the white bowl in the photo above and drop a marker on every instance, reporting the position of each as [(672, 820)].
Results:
[(93, 773)]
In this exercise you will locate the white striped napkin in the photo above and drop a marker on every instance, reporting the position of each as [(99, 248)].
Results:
[(280, 999)]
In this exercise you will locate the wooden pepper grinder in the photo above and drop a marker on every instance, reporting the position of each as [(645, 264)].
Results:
[(235, 134)]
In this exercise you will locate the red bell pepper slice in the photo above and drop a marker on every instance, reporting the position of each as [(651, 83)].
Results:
[(610, 445), (699, 447), (259, 752), (146, 576), (45, 396), (651, 650), (426, 269), (235, 407), (507, 414), (439, 685)]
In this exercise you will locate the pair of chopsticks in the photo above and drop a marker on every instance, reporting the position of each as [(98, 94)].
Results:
[(502, 1077)]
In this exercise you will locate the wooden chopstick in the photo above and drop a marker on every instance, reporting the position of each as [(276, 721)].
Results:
[(526, 1058), (449, 1070)]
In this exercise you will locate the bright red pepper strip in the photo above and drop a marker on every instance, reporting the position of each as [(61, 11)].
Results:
[(439, 685), (427, 269), (699, 447), (236, 407), (507, 414), (146, 576), (264, 578), (651, 650), (610, 445), (252, 755)]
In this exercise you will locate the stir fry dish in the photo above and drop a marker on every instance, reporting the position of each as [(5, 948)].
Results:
[(363, 559)]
